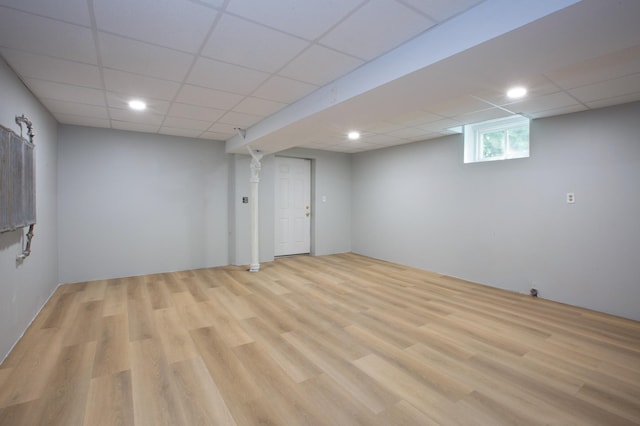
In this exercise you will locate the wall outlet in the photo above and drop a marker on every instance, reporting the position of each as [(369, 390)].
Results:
[(571, 198)]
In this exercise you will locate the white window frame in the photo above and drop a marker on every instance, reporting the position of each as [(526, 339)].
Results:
[(473, 137)]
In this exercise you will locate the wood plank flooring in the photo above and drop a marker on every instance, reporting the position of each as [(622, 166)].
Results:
[(330, 340)]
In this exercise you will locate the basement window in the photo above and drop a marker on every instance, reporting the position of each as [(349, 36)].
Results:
[(500, 139)]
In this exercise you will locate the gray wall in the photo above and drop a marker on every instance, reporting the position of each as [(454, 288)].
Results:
[(507, 223), (331, 220), (24, 287), (136, 203)]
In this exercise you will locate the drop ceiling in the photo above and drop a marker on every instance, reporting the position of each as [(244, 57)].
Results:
[(305, 72)]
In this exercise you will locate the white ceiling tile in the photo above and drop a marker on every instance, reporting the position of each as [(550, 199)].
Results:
[(182, 132), (440, 125), (195, 112), (446, 132), (371, 139), (251, 45), (47, 68), (382, 127), (284, 90), (208, 97), (239, 119), (342, 147), (594, 70), (305, 18), (257, 106), (73, 108), (538, 104), (357, 146), (376, 28), (223, 129), (137, 86), (441, 10), (220, 137), (134, 127), (319, 65), (73, 11), (187, 123), (328, 143), (312, 145), (384, 140), (558, 111), (65, 92), (142, 58), (223, 76), (607, 89), (332, 138), (142, 117), (121, 101), (351, 148), (217, 4), (536, 85), (177, 24), (616, 100), (46, 36), (457, 106), (408, 133), (330, 148), (414, 118), (484, 115), (81, 120)]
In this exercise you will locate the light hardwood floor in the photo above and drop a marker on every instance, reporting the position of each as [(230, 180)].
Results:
[(340, 339)]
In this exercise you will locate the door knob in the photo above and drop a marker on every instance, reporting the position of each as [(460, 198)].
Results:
[(308, 214)]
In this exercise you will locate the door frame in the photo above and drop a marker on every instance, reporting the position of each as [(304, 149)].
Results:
[(312, 191)]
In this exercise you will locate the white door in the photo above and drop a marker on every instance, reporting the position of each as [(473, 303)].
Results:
[(293, 206)]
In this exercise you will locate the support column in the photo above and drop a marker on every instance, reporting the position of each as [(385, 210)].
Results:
[(256, 156)]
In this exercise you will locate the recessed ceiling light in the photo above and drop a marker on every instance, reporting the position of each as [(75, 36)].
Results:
[(517, 92), (137, 105), (353, 135)]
